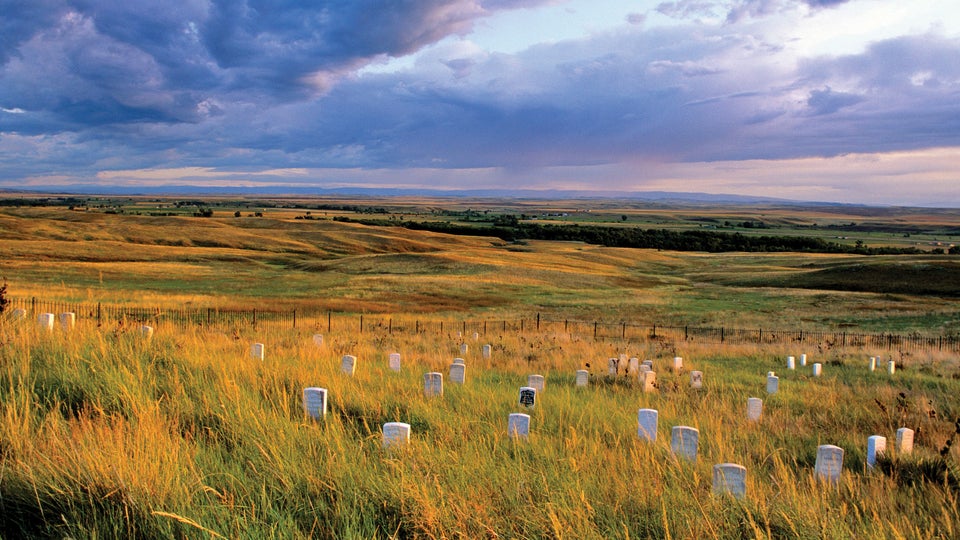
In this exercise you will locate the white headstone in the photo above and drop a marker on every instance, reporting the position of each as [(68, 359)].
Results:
[(458, 373), (536, 381), (634, 366), (18, 314), (318, 340), (648, 381), (146, 332), (256, 351), (803, 360), (518, 425), (876, 446), (904, 441), (486, 351), (829, 463), (644, 368), (754, 409), (46, 321), (528, 397), (773, 384), (68, 321), (647, 424), (394, 361), (395, 434), (315, 402), (696, 379), (433, 384), (791, 362), (348, 364), (730, 478), (648, 363), (476, 336), (891, 367), (684, 441), (873, 363), (464, 348), (459, 361), (583, 377), (817, 369), (677, 363), (613, 365)]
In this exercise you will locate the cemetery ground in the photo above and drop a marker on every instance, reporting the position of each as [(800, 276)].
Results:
[(105, 433)]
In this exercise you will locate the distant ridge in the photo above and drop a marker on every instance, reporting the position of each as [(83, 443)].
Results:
[(289, 191)]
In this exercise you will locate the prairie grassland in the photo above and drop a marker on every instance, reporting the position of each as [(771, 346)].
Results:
[(104, 434), (322, 265)]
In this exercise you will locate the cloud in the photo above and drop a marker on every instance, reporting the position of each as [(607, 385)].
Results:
[(827, 101), (132, 61)]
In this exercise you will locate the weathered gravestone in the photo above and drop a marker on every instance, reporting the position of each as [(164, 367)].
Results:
[(773, 384), (395, 434), (464, 348), (318, 340), (730, 479), (536, 381), (684, 442), (348, 364), (647, 424), (315, 402), (678, 363), (791, 362), (486, 352), (68, 321), (648, 381), (458, 373), (873, 363), (394, 361), (18, 314), (433, 384), (528, 396), (876, 446), (634, 366), (754, 409), (613, 366), (904, 441), (257, 351), (696, 380), (803, 360), (583, 377), (817, 369), (518, 425), (45, 320), (146, 332), (459, 361), (891, 367), (829, 463)]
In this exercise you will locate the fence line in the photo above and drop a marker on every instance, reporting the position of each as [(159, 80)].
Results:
[(598, 330)]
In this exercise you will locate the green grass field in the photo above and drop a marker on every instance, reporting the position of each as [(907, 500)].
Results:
[(104, 434)]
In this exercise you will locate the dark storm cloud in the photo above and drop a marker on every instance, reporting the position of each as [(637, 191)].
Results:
[(85, 62)]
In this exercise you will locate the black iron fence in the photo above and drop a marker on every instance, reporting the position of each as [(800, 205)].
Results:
[(599, 330)]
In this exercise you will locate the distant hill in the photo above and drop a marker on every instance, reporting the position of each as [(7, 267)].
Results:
[(654, 196)]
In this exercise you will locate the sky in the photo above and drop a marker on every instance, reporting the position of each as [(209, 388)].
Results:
[(852, 101)]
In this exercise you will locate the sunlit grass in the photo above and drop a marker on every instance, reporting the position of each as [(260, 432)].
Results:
[(105, 434)]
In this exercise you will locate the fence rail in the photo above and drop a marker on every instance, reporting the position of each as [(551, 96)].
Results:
[(598, 330)]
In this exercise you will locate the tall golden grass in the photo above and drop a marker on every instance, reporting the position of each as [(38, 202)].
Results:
[(106, 434)]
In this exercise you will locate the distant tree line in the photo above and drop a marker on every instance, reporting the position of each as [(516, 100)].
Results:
[(695, 240)]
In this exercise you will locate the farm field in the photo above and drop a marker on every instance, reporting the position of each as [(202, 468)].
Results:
[(104, 433)]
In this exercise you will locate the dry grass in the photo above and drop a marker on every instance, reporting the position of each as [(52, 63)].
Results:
[(104, 434)]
